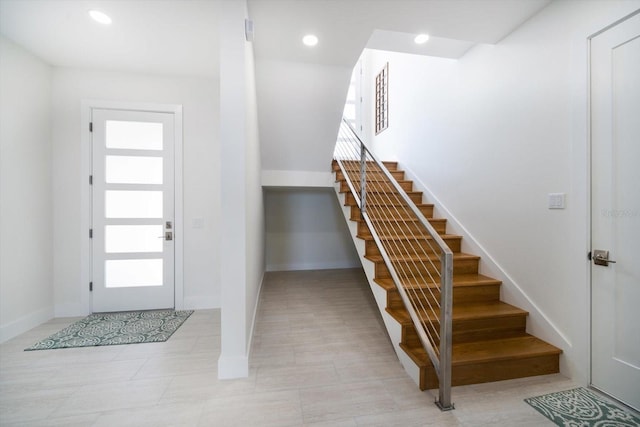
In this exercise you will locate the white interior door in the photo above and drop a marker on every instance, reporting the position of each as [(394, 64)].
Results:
[(615, 153), (132, 210)]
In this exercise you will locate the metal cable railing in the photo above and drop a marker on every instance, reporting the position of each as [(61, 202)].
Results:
[(417, 258)]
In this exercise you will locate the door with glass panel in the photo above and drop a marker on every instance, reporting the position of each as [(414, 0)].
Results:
[(132, 210)]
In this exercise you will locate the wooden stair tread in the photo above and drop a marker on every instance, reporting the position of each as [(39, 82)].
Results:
[(464, 311), (459, 280), (403, 221), (380, 178), (399, 203), (376, 192), (391, 165), (458, 256), (524, 346), (411, 237)]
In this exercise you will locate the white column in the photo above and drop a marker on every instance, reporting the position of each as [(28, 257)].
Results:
[(233, 362)]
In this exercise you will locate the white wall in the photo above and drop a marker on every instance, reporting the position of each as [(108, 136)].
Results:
[(201, 164), (490, 135), (305, 229), (242, 234), (300, 106), (255, 237), (26, 289)]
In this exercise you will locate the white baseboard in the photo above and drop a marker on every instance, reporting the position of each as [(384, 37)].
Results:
[(238, 366), (233, 367), (25, 323), (255, 316), (70, 310), (201, 302)]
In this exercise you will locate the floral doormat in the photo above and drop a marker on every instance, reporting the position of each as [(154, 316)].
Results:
[(131, 327), (583, 408)]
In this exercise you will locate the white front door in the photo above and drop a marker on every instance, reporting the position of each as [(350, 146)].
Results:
[(132, 210), (615, 195)]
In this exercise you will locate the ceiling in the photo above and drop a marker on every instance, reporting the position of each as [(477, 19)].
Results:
[(345, 27), (167, 37), (180, 37)]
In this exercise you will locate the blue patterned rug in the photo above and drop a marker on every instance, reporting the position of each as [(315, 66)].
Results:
[(580, 407), (131, 327)]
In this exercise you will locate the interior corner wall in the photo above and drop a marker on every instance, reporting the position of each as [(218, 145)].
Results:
[(305, 229), (491, 134), (201, 180), (26, 288)]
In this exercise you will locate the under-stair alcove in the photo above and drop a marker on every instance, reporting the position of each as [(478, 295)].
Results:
[(305, 230)]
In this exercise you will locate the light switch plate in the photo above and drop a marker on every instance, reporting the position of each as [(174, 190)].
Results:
[(556, 200)]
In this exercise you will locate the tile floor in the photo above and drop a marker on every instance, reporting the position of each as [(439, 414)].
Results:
[(320, 358)]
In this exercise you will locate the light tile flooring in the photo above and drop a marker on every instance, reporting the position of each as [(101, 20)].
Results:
[(320, 357)]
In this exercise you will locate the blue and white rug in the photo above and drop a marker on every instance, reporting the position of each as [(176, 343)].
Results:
[(131, 327), (580, 407)]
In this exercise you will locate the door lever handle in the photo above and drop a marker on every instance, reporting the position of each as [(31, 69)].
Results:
[(601, 257), (168, 235)]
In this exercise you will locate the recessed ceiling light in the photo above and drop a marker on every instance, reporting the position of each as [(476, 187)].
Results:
[(310, 40), (100, 17), (421, 38)]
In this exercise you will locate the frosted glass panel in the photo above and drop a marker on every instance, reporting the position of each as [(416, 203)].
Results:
[(133, 135), (133, 272), (133, 170), (133, 204), (133, 238)]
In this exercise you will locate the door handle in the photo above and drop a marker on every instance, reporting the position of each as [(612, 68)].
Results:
[(601, 257), (168, 235)]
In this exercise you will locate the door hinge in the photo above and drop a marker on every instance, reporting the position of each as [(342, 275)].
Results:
[(90, 179), (90, 286), (589, 256), (90, 126), (91, 233)]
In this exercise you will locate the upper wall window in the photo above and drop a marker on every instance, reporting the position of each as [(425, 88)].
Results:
[(382, 99)]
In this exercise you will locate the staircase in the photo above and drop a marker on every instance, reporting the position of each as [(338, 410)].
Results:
[(490, 342)]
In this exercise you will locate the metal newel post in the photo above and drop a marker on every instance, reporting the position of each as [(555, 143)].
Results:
[(446, 332)]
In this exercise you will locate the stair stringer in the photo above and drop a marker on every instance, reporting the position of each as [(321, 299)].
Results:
[(394, 329)]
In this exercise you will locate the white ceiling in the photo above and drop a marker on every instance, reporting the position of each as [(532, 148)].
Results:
[(157, 36), (345, 26), (181, 36)]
